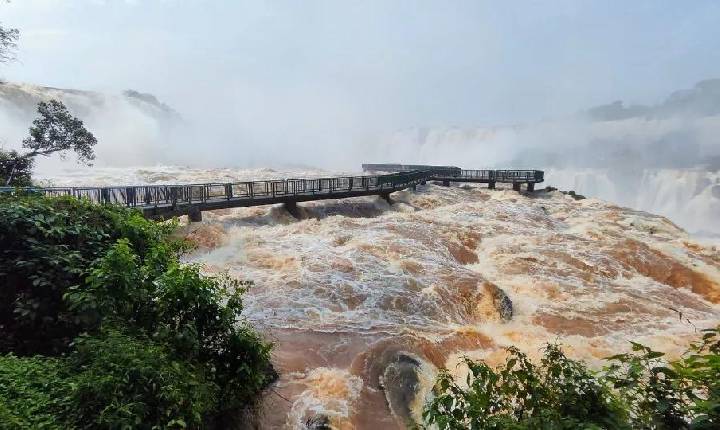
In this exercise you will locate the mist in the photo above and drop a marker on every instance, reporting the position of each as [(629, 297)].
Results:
[(610, 98), (332, 84)]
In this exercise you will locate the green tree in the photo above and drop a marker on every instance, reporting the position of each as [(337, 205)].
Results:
[(21, 168), (56, 130), (8, 43)]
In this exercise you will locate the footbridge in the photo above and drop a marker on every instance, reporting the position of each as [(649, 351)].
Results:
[(166, 201)]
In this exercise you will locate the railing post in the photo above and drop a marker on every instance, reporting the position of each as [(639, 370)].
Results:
[(130, 196), (228, 191), (173, 197)]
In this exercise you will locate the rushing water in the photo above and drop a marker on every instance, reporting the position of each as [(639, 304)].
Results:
[(689, 197), (366, 300)]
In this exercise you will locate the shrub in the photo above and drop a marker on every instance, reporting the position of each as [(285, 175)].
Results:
[(558, 393), (638, 390), (34, 392), (198, 317), (681, 394), (701, 369), (121, 381), (49, 245), (145, 339), (109, 381), (651, 390)]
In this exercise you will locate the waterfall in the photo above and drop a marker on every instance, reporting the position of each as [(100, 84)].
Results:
[(688, 197)]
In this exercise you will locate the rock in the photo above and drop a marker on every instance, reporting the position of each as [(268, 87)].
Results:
[(318, 422), (401, 371), (549, 189), (574, 195), (502, 303), (400, 381)]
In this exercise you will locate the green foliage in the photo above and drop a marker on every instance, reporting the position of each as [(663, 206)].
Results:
[(197, 316), (34, 392), (559, 393), (683, 394), (8, 43), (146, 341), (638, 390), (699, 371), (49, 246), (21, 168), (120, 381), (55, 130), (650, 388), (108, 381)]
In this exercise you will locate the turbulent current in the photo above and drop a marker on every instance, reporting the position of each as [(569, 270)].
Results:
[(689, 197), (366, 300)]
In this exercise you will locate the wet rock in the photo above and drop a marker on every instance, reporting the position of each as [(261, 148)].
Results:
[(399, 372), (502, 303), (318, 422), (401, 381), (549, 189), (574, 195)]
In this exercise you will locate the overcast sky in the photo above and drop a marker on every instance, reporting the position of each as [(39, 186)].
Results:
[(314, 67)]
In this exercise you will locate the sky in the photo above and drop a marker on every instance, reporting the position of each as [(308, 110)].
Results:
[(323, 71)]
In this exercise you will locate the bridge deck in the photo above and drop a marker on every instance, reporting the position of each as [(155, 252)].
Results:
[(456, 174), (163, 201)]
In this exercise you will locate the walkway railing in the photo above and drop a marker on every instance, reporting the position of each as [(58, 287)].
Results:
[(173, 195), (162, 200), (452, 172), (506, 176)]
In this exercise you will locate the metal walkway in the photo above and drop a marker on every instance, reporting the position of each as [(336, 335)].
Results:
[(164, 201)]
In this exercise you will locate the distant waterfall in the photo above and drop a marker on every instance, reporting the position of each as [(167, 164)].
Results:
[(689, 197)]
